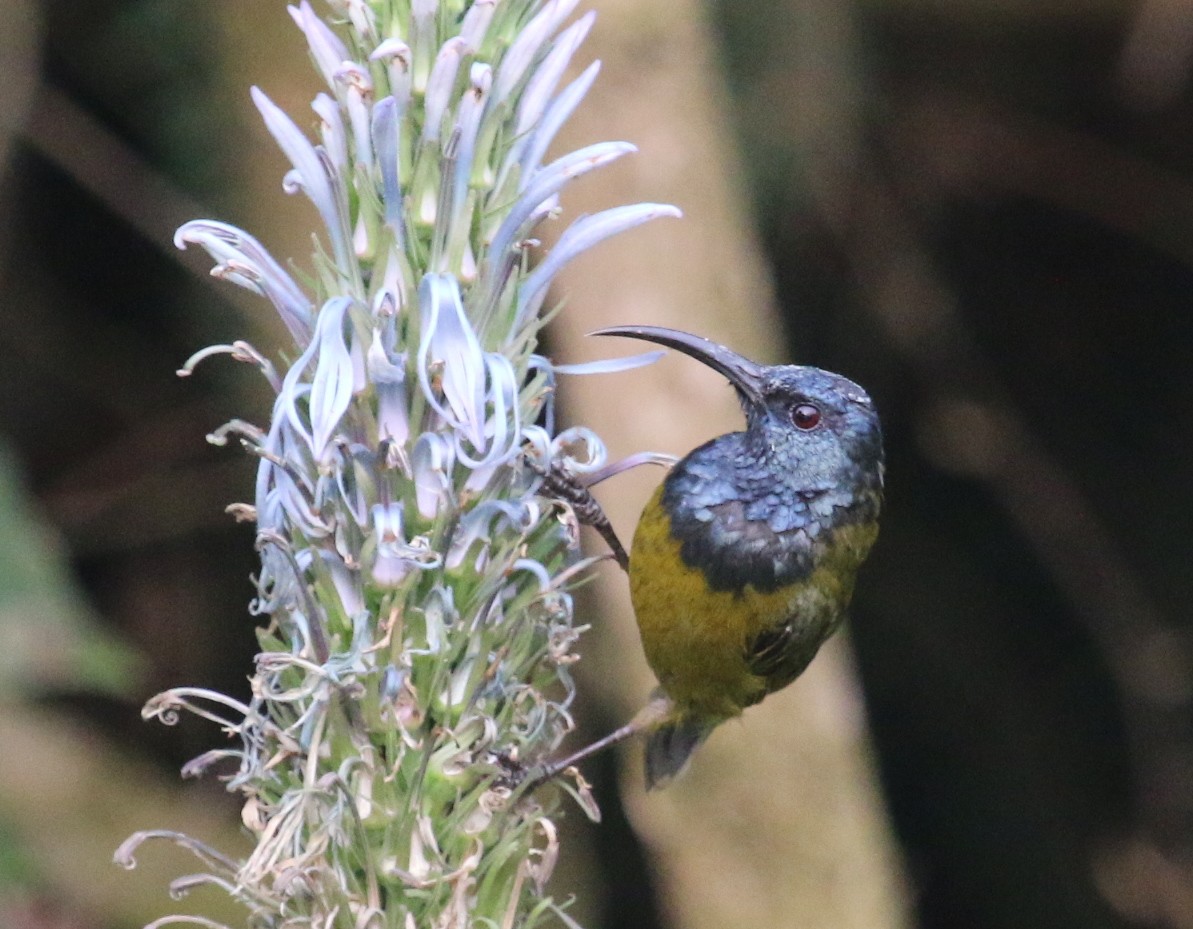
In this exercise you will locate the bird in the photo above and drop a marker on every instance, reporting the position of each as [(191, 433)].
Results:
[(744, 559)]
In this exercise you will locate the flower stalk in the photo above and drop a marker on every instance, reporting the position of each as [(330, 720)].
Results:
[(415, 580)]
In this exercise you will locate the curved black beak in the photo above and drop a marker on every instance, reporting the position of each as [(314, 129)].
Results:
[(742, 373)]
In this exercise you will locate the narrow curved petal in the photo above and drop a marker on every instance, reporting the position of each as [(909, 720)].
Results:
[(358, 94), (609, 365), (580, 236), (478, 525), (560, 109), (525, 48), (288, 408), (468, 120), (309, 173), (326, 48), (440, 85), (476, 24), (331, 386), (448, 340), (502, 428), (431, 464), (607, 471), (546, 76), (389, 379), (546, 183), (385, 145), (394, 557), (331, 127), (255, 268)]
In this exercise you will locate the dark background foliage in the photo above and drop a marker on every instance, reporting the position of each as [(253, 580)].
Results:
[(996, 242)]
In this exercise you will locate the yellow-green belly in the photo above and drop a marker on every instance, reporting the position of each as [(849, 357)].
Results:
[(697, 639)]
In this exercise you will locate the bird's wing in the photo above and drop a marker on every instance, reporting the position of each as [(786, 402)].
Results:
[(770, 649)]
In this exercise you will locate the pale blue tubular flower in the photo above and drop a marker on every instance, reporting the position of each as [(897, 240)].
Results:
[(414, 581), (242, 260)]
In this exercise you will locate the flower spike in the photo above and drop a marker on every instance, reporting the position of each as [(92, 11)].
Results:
[(416, 509)]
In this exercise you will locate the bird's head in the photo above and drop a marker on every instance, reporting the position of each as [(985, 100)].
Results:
[(820, 425)]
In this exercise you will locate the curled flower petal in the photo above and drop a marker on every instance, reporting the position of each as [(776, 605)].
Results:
[(502, 427), (394, 559), (478, 526), (124, 856), (355, 486), (541, 574), (240, 351), (622, 465), (579, 449), (289, 412), (255, 269), (188, 367), (537, 441), (282, 497), (397, 57)]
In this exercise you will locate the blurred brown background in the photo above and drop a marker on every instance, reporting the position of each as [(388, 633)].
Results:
[(982, 210)]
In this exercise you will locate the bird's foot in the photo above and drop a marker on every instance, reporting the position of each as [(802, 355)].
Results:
[(524, 779), (514, 771), (561, 484)]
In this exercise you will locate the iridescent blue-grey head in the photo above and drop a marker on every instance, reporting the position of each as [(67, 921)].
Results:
[(819, 427)]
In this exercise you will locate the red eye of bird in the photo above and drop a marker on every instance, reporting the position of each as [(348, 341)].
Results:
[(805, 416)]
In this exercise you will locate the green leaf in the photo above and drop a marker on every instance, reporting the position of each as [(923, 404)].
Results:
[(50, 639)]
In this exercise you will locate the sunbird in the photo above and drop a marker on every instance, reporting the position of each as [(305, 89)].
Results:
[(743, 562)]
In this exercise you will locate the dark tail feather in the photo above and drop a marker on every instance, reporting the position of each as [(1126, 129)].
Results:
[(669, 747)]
